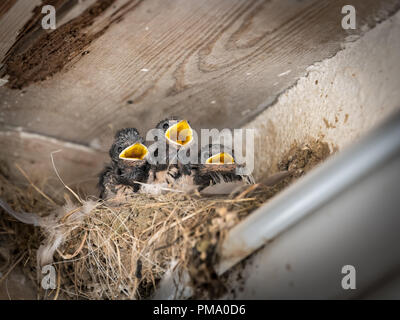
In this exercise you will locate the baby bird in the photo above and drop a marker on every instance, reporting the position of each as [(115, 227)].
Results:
[(128, 165), (166, 172), (217, 165)]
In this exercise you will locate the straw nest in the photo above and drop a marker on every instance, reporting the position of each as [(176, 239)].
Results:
[(109, 250)]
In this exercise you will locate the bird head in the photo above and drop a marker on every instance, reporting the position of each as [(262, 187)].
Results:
[(216, 154), (177, 133), (217, 165), (128, 147)]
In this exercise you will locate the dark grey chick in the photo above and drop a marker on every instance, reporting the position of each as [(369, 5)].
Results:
[(128, 165), (217, 165), (166, 172)]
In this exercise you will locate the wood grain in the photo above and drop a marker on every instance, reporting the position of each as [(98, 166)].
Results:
[(78, 166), (5, 6), (216, 63)]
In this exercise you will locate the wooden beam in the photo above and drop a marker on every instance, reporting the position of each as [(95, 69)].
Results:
[(77, 165), (216, 63)]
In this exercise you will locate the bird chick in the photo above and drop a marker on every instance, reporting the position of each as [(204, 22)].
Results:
[(166, 172), (128, 165), (217, 165)]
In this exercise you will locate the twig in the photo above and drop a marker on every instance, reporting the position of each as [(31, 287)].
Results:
[(77, 251), (12, 268), (33, 185), (58, 285), (59, 177)]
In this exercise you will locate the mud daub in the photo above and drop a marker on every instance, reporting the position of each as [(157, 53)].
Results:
[(39, 54)]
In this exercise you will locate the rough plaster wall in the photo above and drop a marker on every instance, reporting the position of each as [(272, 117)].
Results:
[(340, 99)]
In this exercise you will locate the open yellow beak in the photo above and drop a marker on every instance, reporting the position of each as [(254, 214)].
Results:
[(221, 158), (180, 134), (134, 152)]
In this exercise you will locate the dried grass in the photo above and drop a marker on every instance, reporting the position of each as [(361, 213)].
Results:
[(123, 251), (110, 251)]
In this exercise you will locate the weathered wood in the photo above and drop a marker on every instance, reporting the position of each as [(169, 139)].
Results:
[(5, 6), (77, 165), (217, 63)]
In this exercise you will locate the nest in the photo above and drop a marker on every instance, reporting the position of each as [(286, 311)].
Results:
[(108, 250)]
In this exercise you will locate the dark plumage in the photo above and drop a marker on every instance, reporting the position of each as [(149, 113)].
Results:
[(166, 123), (120, 176), (209, 174), (127, 170), (108, 181), (163, 171), (123, 139), (187, 176)]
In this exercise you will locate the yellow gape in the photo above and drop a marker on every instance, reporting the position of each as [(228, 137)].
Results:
[(221, 158), (134, 152), (179, 134)]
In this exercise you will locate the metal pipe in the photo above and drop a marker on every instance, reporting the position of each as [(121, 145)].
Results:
[(358, 230)]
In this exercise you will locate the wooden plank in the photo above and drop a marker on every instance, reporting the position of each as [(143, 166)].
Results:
[(14, 15), (217, 63), (5, 6), (77, 165)]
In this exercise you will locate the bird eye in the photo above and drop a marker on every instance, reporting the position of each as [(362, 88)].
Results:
[(165, 126), (120, 149)]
